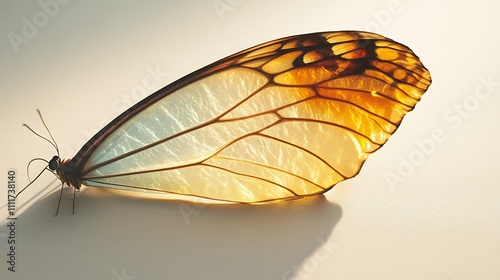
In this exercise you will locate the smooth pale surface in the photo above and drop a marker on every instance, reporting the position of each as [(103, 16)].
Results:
[(91, 62)]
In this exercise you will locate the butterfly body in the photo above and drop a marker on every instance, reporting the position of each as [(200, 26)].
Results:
[(282, 120)]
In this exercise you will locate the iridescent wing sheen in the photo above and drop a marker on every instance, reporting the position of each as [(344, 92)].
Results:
[(282, 120)]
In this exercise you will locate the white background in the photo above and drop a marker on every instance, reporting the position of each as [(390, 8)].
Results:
[(85, 61)]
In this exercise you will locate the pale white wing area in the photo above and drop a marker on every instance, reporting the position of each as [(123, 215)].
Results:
[(282, 120), (187, 108), (191, 142)]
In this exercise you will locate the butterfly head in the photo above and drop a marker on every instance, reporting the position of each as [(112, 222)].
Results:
[(54, 163)]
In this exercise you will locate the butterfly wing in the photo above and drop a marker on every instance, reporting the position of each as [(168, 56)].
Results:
[(282, 120)]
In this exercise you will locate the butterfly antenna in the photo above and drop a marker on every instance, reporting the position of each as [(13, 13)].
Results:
[(56, 147), (53, 142), (31, 182), (28, 167), (50, 134)]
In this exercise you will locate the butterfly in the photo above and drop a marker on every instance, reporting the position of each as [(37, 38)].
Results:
[(286, 119)]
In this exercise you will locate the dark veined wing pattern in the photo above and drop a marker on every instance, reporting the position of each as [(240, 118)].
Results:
[(282, 120)]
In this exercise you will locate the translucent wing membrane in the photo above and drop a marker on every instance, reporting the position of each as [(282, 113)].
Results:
[(282, 120)]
